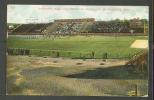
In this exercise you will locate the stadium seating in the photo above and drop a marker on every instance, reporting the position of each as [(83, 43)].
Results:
[(28, 29), (67, 27), (110, 27)]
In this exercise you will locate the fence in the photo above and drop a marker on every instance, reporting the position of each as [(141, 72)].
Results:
[(27, 36), (68, 54)]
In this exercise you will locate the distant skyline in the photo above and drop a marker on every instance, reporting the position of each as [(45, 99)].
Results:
[(48, 13)]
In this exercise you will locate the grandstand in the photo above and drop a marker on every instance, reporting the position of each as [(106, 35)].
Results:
[(27, 29), (111, 27), (70, 26), (84, 27)]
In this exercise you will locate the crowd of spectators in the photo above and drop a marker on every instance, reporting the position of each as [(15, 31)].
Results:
[(110, 27), (98, 27), (70, 28)]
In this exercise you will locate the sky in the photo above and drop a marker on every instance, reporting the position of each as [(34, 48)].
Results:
[(48, 13)]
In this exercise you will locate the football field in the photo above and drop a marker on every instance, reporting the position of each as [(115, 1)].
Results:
[(78, 46)]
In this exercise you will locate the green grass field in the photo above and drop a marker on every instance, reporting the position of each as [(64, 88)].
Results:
[(79, 46)]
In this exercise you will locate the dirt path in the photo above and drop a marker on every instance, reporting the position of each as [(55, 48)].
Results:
[(140, 44)]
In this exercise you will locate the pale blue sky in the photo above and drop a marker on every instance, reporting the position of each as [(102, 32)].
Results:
[(47, 13)]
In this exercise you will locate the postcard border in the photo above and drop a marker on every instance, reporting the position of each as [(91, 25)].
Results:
[(3, 16)]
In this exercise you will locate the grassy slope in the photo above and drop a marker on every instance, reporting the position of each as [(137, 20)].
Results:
[(24, 79), (114, 46)]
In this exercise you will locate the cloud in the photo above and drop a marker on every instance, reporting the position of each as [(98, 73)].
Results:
[(46, 13)]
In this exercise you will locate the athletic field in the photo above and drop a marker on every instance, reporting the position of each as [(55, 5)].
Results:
[(78, 46)]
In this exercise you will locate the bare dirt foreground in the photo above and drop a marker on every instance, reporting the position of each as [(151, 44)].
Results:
[(71, 77)]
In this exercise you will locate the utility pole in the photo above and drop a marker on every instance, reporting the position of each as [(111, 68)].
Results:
[(145, 27)]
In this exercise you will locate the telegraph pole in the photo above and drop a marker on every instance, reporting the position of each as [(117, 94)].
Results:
[(145, 28)]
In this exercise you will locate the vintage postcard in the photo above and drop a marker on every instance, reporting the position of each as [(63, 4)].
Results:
[(77, 50)]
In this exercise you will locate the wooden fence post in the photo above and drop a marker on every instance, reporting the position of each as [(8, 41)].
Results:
[(136, 90), (57, 53), (93, 54)]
